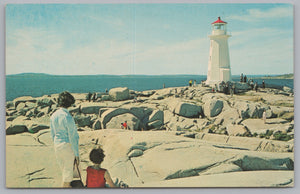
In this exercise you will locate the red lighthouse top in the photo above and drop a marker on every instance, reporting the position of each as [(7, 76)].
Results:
[(219, 21)]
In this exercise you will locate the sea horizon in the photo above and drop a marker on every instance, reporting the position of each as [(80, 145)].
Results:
[(37, 84), (48, 74)]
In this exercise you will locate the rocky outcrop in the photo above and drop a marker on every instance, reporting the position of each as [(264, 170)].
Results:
[(188, 110), (193, 133), (237, 130), (156, 120), (110, 113), (97, 125), (133, 122), (23, 99), (15, 129), (45, 102), (82, 120), (118, 94), (91, 107), (213, 107)]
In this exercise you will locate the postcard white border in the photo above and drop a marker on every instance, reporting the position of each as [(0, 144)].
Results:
[(3, 189)]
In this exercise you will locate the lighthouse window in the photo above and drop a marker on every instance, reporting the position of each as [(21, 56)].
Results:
[(219, 27)]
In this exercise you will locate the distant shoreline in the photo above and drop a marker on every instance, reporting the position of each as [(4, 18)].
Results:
[(284, 76)]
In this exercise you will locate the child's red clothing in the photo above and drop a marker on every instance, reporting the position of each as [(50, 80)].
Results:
[(95, 178)]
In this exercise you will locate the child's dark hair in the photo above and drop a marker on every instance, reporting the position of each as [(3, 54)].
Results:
[(65, 99), (97, 155)]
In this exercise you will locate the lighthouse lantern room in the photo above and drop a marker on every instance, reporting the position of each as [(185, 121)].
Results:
[(219, 63)]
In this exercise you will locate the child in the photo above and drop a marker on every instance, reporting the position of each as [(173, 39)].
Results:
[(97, 176)]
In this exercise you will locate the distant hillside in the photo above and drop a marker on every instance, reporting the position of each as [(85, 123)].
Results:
[(284, 76), (28, 75)]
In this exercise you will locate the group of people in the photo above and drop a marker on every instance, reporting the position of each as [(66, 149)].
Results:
[(192, 83), (65, 138), (91, 96), (254, 86), (226, 88), (124, 125), (243, 78)]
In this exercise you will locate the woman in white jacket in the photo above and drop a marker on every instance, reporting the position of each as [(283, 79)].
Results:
[(65, 137)]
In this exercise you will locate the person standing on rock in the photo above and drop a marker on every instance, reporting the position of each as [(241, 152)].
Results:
[(125, 125), (245, 79), (190, 83), (65, 137), (88, 97), (251, 84), (256, 86), (263, 84), (264, 116), (94, 96), (232, 87)]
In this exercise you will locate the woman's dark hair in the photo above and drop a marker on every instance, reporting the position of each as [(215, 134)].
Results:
[(65, 99), (97, 155)]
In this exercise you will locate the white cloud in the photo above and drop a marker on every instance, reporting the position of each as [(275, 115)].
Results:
[(262, 51), (254, 15), (189, 57), (42, 52), (254, 51)]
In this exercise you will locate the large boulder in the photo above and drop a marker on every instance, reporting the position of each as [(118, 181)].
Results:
[(250, 109), (237, 130), (105, 98), (9, 104), (133, 122), (287, 89), (147, 93), (23, 99), (241, 86), (213, 107), (156, 115), (15, 129), (252, 162), (140, 111), (255, 110), (33, 128), (259, 127), (11, 112), (188, 110), (20, 106), (45, 101), (289, 116), (118, 94), (82, 120), (97, 125), (107, 115), (91, 108), (30, 104), (155, 124), (229, 116)]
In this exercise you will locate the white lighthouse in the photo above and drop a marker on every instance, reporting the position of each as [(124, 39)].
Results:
[(219, 63)]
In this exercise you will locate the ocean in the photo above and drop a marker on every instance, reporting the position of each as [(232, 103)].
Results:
[(36, 85)]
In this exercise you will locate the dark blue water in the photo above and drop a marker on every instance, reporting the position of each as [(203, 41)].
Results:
[(36, 85)]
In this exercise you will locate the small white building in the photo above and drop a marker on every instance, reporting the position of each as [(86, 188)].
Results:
[(219, 63)]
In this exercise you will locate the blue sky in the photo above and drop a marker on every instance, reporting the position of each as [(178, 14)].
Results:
[(78, 39)]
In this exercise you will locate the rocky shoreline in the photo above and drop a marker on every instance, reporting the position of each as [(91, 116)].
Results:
[(186, 133)]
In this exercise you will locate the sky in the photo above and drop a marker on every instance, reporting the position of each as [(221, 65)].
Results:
[(149, 39)]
